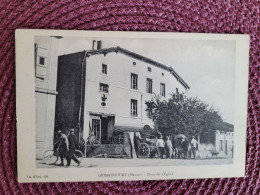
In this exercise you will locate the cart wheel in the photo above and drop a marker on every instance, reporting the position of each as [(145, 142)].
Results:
[(144, 150), (49, 157)]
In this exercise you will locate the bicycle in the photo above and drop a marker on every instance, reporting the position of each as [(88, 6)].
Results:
[(50, 157)]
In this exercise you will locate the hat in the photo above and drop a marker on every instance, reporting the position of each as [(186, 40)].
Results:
[(59, 132), (71, 130)]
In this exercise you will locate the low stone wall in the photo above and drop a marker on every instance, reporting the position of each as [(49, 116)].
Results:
[(209, 151), (106, 150)]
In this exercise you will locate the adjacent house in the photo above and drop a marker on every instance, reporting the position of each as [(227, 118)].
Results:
[(218, 143), (46, 60)]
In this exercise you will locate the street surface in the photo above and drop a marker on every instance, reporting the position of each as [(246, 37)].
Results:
[(139, 162)]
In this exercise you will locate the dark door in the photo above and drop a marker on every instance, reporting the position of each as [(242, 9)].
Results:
[(104, 130)]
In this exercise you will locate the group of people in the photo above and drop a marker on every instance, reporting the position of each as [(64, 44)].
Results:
[(176, 148), (66, 146)]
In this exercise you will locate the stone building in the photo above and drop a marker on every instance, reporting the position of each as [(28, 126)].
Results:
[(220, 143)]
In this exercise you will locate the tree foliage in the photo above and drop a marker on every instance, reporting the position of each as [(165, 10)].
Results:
[(184, 115)]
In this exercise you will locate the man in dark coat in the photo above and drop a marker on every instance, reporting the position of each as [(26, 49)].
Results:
[(62, 146), (185, 148), (175, 147), (73, 145)]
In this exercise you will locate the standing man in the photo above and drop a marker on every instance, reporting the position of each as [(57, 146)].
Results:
[(168, 147), (73, 144), (193, 143), (62, 146), (185, 147), (160, 145), (175, 147)]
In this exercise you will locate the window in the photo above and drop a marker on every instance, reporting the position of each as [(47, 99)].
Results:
[(133, 107), (149, 85), (134, 81), (134, 63), (104, 87), (104, 68), (149, 69), (41, 61), (162, 89)]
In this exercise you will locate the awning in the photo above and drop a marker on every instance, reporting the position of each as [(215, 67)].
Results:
[(128, 128)]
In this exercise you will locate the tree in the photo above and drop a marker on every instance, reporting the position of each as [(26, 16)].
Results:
[(184, 115)]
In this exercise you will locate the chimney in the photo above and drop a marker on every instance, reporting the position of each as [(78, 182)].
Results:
[(99, 45)]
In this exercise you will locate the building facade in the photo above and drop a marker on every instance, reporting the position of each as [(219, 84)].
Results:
[(109, 92)]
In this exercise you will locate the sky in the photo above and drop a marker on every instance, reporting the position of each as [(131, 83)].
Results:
[(207, 66)]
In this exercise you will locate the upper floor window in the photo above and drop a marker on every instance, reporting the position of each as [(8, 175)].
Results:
[(149, 69), (149, 85), (41, 60), (104, 68), (104, 87), (134, 81), (162, 89), (133, 107)]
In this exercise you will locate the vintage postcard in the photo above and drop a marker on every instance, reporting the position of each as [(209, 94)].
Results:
[(103, 106)]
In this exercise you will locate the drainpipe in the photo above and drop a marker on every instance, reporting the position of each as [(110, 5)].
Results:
[(142, 108)]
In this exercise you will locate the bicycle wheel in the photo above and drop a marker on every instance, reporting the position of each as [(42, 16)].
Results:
[(49, 158), (79, 155)]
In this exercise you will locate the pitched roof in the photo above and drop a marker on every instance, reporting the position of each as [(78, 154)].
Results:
[(138, 57), (227, 127)]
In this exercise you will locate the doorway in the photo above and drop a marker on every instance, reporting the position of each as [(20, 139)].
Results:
[(102, 127)]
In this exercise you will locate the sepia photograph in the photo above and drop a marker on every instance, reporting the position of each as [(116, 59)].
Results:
[(151, 102)]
